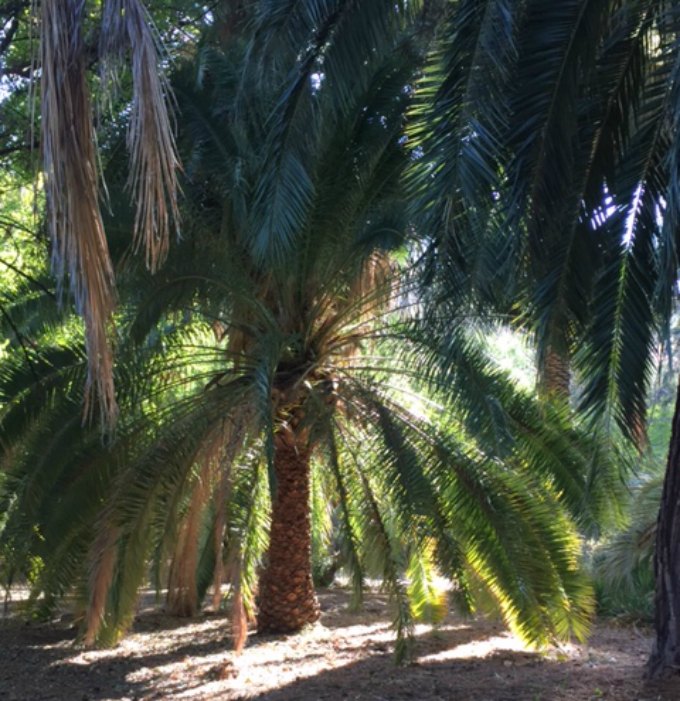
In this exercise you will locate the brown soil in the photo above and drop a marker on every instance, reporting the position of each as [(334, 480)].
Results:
[(347, 656)]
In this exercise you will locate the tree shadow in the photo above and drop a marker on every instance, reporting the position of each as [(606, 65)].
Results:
[(349, 656), (466, 665)]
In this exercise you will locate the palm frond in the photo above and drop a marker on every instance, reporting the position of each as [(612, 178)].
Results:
[(150, 138), (349, 524), (74, 220)]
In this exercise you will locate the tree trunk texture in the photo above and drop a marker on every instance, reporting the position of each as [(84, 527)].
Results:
[(665, 657), (555, 375), (287, 600)]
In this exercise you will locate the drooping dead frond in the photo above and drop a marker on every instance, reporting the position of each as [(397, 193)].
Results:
[(374, 289), (212, 483), (218, 536), (239, 623), (101, 576), (182, 585), (79, 248), (150, 139), (232, 438)]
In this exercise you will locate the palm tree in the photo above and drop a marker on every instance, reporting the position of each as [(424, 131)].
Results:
[(276, 361), (569, 118)]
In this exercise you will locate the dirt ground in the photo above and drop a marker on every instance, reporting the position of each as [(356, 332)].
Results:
[(347, 656)]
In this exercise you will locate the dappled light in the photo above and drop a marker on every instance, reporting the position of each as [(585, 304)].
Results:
[(347, 655), (332, 350)]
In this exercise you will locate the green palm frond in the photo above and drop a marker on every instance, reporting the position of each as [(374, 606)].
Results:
[(350, 526), (460, 114), (668, 256), (623, 564), (583, 463), (343, 39), (284, 313), (248, 528), (386, 554), (462, 488), (567, 176)]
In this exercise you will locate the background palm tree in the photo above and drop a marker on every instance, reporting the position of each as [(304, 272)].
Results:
[(555, 142)]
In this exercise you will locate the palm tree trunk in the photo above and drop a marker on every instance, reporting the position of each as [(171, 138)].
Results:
[(555, 375), (287, 598), (665, 657)]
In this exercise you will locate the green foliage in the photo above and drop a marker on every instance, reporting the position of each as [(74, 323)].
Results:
[(427, 596), (545, 174), (623, 564), (289, 298)]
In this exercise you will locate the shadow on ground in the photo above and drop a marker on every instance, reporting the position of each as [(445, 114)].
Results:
[(349, 657)]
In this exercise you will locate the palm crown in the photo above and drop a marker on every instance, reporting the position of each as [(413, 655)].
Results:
[(261, 377)]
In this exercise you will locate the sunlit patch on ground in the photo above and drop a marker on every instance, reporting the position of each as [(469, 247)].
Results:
[(478, 648), (349, 656)]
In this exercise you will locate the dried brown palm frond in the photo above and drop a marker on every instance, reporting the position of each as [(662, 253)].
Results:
[(182, 587), (74, 219), (218, 536), (372, 292), (374, 288), (103, 558), (232, 441), (239, 623), (150, 139), (214, 460)]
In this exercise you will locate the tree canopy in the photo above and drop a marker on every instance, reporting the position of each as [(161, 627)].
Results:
[(366, 189)]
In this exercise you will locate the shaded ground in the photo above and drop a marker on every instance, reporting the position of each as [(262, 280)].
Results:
[(348, 657)]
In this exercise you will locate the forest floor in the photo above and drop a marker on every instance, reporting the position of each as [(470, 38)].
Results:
[(347, 656)]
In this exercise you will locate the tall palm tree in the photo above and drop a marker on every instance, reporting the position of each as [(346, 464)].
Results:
[(274, 366)]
